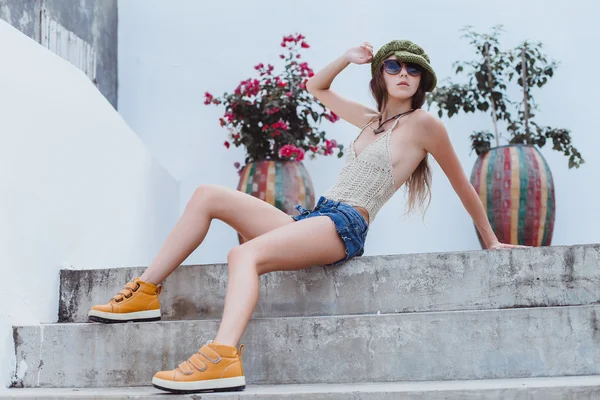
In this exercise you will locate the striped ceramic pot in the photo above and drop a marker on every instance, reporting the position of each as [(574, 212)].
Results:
[(283, 184), (515, 186)]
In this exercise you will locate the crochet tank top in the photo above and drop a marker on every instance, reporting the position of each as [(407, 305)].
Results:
[(367, 179)]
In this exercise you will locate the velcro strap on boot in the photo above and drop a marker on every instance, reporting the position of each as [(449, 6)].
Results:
[(197, 362), (210, 354), (185, 368)]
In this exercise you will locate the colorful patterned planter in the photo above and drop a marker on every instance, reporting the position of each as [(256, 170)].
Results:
[(515, 186), (283, 184)]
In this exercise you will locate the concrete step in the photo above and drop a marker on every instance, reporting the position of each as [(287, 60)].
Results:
[(473, 280), (479, 344), (564, 388)]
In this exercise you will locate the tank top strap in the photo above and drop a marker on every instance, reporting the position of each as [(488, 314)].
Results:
[(388, 140), (395, 123), (369, 123), (389, 130)]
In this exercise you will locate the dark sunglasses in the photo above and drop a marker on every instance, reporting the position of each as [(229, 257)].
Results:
[(394, 67)]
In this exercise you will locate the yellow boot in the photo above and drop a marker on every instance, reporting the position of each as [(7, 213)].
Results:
[(137, 302), (215, 367)]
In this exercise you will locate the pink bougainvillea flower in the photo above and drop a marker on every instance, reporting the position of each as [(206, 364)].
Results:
[(292, 152), (331, 117), (281, 124), (272, 110), (230, 116)]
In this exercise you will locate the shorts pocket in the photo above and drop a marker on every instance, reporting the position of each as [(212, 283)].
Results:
[(355, 220), (347, 217)]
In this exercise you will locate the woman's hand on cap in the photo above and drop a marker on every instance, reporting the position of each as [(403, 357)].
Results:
[(362, 54)]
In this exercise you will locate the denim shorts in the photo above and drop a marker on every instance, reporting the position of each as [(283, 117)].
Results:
[(349, 224)]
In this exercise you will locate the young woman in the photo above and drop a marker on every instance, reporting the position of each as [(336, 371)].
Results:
[(391, 150)]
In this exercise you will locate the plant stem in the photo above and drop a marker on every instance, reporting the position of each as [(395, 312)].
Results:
[(525, 101), (487, 59)]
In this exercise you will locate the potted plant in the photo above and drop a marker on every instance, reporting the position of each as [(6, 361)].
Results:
[(276, 119), (513, 180)]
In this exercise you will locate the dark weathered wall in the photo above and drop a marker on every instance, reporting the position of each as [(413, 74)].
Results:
[(95, 21)]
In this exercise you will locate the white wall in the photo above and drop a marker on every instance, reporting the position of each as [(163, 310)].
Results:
[(78, 189), (170, 53)]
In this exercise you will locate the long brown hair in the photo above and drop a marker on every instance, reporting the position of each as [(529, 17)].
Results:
[(419, 182)]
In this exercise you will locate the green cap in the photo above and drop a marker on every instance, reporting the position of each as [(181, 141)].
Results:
[(406, 51)]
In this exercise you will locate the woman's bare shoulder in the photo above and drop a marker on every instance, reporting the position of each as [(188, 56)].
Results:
[(424, 116), (430, 129), (426, 121)]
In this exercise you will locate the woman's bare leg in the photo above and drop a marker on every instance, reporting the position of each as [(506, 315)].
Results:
[(249, 216), (312, 241)]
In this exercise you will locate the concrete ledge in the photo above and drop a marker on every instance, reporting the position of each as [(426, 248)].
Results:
[(474, 280), (483, 344), (564, 388)]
